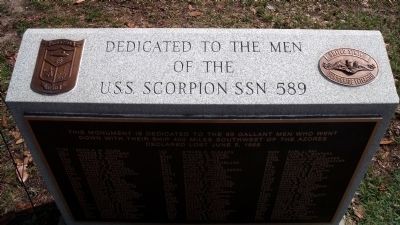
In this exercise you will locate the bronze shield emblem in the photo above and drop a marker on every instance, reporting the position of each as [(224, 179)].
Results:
[(57, 66)]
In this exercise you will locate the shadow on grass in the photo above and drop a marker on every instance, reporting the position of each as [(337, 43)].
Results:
[(46, 214)]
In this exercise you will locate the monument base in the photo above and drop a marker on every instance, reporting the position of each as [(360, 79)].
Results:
[(61, 222)]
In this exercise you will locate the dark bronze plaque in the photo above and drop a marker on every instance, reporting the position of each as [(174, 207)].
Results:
[(349, 67), (57, 66), (199, 171)]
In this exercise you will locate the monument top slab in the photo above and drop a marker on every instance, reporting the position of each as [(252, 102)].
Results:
[(208, 66)]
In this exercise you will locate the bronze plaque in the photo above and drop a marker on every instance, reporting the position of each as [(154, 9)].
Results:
[(57, 66), (197, 171), (349, 67)]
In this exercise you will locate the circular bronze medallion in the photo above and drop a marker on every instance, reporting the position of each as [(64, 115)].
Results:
[(349, 67)]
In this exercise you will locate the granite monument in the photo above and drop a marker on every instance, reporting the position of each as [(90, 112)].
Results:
[(202, 125)]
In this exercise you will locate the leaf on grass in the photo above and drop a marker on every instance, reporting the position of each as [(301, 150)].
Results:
[(130, 24), (18, 161), (26, 153), (23, 172), (26, 206), (19, 141), (359, 211), (4, 121), (350, 221), (386, 141), (11, 58), (382, 188), (27, 158), (190, 7), (220, 6), (195, 13), (384, 155), (15, 134), (78, 2), (253, 10), (271, 7)]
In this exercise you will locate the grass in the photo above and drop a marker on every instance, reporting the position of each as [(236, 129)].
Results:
[(263, 14), (41, 5), (7, 192), (380, 197), (59, 21), (5, 72), (8, 183), (21, 25), (3, 9), (92, 14)]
